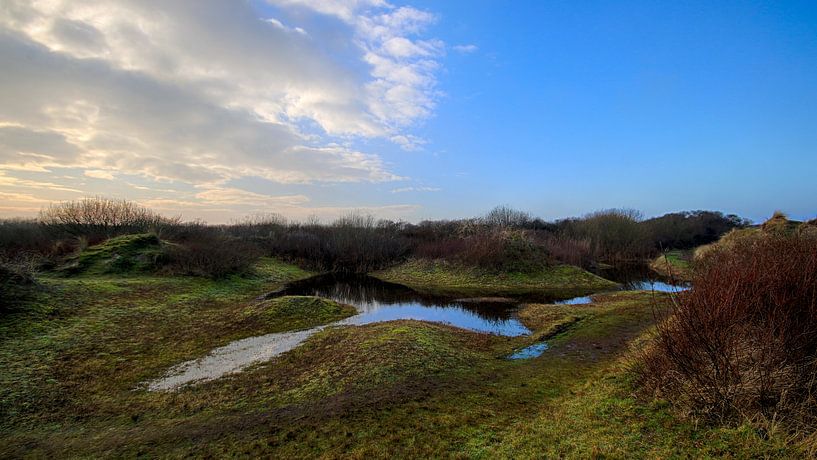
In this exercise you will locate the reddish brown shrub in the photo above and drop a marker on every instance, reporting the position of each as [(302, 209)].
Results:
[(569, 250), (743, 341), (493, 249)]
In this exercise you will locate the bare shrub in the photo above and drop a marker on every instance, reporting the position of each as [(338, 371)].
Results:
[(99, 218), (569, 250), (492, 249), (506, 217), (615, 235), (743, 342), (355, 242), (209, 254)]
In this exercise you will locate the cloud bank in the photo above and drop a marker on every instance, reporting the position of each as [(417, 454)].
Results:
[(209, 92)]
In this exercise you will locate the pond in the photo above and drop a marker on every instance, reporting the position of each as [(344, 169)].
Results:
[(632, 278), (378, 301)]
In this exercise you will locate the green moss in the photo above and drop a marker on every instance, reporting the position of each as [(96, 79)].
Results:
[(447, 278), (299, 312), (121, 254), (274, 270)]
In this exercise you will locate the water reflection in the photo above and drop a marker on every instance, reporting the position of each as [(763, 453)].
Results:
[(639, 277), (379, 301), (531, 351)]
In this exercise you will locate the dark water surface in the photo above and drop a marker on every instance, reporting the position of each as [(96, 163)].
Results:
[(378, 301)]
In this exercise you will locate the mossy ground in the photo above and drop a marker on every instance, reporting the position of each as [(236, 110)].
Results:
[(290, 313), (71, 364), (440, 277), (121, 254)]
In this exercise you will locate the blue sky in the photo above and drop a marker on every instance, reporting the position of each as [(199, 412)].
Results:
[(412, 110)]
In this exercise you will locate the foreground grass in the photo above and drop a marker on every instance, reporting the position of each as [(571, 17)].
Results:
[(69, 369), (440, 277)]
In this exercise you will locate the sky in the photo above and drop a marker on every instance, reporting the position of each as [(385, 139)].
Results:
[(218, 110)]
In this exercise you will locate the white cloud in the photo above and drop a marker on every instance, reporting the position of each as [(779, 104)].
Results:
[(99, 174), (205, 93), (465, 49), (230, 196), (148, 87), (415, 189)]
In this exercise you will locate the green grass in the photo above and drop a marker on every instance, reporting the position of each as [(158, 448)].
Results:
[(121, 254), (70, 366), (441, 277), (298, 312), (673, 264)]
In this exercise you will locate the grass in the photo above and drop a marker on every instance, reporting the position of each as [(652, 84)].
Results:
[(440, 277), (121, 254), (674, 264), (70, 365), (289, 313)]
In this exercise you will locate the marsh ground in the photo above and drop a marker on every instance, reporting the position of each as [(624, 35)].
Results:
[(71, 365)]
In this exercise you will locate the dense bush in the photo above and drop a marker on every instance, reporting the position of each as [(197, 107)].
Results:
[(17, 282), (497, 249), (211, 255), (743, 342), (354, 243), (22, 236), (614, 235), (569, 250), (685, 230)]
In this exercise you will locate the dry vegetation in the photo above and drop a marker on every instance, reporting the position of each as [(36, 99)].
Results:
[(501, 241), (743, 343)]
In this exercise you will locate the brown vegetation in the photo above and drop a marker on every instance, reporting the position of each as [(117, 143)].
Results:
[(99, 218), (504, 239), (743, 343)]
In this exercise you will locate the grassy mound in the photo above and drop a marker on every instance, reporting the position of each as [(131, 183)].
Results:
[(388, 357), (299, 312), (673, 265), (122, 254), (441, 277), (777, 226)]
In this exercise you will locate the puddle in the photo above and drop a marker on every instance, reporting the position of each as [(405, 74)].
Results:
[(531, 351), (575, 300), (632, 278), (657, 286)]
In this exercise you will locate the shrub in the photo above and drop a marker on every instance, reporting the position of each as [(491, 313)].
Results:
[(686, 230), (210, 254), (354, 243), (615, 235), (493, 249), (17, 282), (20, 237), (569, 250), (100, 218), (743, 341)]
